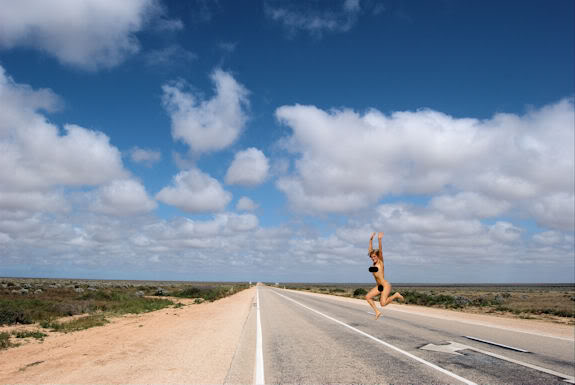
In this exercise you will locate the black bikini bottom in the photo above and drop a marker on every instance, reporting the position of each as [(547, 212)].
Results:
[(380, 288)]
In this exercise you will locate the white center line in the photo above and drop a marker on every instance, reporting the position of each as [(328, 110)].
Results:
[(444, 371), (259, 375)]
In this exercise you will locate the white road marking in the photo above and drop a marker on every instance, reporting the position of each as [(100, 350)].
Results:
[(453, 347), (450, 348), (259, 375), (444, 371), (496, 344)]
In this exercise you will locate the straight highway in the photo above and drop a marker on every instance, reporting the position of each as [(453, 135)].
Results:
[(306, 339)]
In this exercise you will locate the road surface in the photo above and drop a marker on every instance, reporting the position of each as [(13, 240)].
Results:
[(311, 339)]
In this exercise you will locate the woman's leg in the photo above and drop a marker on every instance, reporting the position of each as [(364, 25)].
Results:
[(369, 298), (385, 293), (385, 299)]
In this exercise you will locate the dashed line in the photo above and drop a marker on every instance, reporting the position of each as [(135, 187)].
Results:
[(496, 344), (444, 371)]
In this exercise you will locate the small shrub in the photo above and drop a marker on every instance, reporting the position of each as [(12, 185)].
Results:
[(481, 301), (359, 292), (10, 316), (462, 301), (5, 342)]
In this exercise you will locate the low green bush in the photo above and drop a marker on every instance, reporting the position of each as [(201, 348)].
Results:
[(359, 292), (5, 342)]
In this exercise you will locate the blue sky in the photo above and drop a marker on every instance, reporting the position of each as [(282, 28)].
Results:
[(224, 140)]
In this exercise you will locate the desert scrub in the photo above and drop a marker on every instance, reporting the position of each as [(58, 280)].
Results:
[(28, 310), (76, 324), (424, 299), (123, 303), (560, 313), (29, 334), (5, 342), (68, 302), (209, 293), (359, 292)]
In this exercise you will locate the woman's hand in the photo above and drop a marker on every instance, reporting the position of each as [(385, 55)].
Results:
[(379, 235), (372, 235)]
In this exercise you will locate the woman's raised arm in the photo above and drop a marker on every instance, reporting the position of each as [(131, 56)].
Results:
[(371, 243), (379, 236)]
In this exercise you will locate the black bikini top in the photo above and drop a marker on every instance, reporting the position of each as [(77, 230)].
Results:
[(373, 269)]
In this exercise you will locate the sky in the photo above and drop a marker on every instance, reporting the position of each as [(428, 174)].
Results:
[(266, 140)]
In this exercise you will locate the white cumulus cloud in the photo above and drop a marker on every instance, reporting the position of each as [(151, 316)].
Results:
[(122, 197), (34, 156), (40, 167), (246, 204), (347, 161), (249, 168), (145, 156), (207, 125), (470, 204), (44, 201), (196, 192), (87, 34)]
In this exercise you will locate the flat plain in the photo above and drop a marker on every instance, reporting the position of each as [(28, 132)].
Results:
[(88, 331)]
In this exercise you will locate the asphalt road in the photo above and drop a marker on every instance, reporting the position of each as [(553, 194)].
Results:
[(307, 339)]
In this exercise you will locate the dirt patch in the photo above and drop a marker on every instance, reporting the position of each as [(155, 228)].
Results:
[(190, 344)]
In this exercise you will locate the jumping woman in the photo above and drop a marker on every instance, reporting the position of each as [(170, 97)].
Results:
[(383, 287)]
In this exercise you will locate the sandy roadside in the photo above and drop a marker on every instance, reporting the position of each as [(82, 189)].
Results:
[(523, 325), (192, 344)]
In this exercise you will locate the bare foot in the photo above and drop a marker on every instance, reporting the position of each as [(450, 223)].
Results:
[(400, 297), (377, 314)]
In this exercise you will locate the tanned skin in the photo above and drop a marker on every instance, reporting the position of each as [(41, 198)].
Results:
[(377, 259)]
